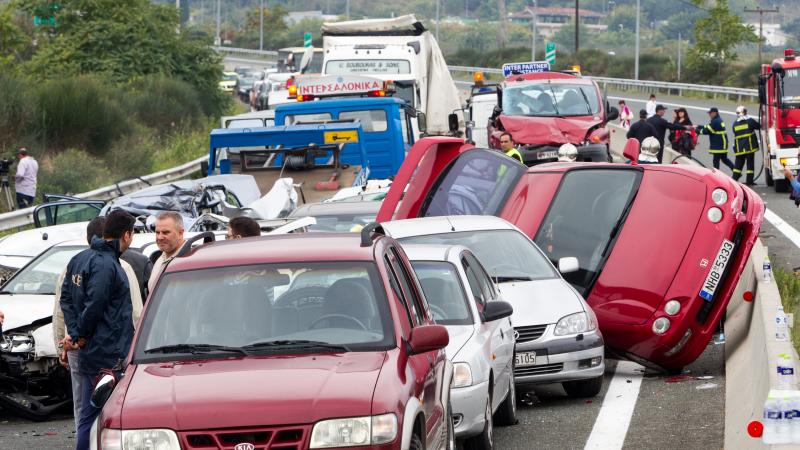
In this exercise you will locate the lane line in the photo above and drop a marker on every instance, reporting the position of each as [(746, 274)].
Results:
[(615, 414), (789, 231)]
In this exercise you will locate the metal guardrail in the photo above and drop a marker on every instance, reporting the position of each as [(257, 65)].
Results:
[(24, 217)]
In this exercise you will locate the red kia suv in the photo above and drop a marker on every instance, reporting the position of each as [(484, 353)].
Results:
[(660, 248), (286, 342)]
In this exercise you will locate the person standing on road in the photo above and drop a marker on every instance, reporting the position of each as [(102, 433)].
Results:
[(745, 144), (25, 178), (641, 129), (141, 267), (97, 307), (717, 138), (242, 227), (625, 115), (508, 146), (650, 106), (661, 125), (683, 141), (169, 239), (68, 351)]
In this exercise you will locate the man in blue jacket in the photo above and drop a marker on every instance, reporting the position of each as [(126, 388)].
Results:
[(96, 302), (717, 139)]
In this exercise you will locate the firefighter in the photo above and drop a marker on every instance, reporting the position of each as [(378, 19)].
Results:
[(567, 153), (745, 144), (508, 147), (717, 138)]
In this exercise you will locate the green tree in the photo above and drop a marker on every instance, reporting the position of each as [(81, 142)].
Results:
[(716, 37), (275, 28), (13, 40)]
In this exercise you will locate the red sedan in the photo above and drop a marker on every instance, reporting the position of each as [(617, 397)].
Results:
[(660, 247), (290, 342)]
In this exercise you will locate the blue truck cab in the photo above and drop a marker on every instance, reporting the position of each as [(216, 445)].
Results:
[(385, 122)]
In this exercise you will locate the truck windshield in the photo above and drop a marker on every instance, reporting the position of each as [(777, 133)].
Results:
[(584, 219), (550, 99), (791, 88)]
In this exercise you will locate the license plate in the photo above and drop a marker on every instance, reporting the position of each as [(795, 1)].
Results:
[(717, 270), (547, 155), (525, 359)]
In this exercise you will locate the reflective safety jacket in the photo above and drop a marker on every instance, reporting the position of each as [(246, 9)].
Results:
[(745, 140), (514, 153), (717, 136)]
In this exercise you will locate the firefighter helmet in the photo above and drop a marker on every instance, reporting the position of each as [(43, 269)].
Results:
[(567, 153)]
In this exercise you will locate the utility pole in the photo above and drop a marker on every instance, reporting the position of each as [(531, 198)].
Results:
[(218, 37), (261, 26), (577, 26), (680, 41), (437, 20), (761, 12), (533, 31), (347, 9), (636, 59)]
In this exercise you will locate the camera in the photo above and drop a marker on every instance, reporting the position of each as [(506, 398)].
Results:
[(5, 166)]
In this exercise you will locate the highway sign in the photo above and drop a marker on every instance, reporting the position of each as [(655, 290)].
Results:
[(550, 52), (525, 67), (307, 40)]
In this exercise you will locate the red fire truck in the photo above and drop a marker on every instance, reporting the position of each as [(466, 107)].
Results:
[(779, 112)]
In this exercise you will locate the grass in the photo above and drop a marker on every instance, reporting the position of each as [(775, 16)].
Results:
[(789, 287)]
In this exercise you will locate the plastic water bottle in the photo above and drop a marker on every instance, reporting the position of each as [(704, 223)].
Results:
[(795, 422), (772, 415), (767, 269), (781, 325), (784, 433), (785, 372)]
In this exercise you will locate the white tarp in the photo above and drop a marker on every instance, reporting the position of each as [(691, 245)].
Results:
[(395, 24)]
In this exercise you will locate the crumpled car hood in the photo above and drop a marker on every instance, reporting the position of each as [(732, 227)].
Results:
[(549, 130), (22, 310)]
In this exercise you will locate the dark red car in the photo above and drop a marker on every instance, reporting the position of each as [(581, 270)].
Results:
[(288, 342), (660, 247)]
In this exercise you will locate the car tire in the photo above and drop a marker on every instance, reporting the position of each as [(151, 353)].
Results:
[(506, 414), (583, 388), (483, 441), (416, 442)]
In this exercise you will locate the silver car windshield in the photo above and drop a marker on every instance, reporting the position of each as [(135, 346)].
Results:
[(40, 277), (269, 307), (444, 292), (506, 254)]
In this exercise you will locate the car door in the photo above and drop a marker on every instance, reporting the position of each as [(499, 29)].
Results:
[(428, 368), (66, 211), (484, 291)]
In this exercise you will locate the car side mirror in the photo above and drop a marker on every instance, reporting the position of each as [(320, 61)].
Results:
[(497, 310), (103, 390), (612, 114), (427, 338), (568, 264), (422, 122), (452, 122), (631, 151)]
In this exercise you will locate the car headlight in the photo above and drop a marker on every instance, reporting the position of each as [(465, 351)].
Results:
[(462, 375), (354, 431), (719, 196), (714, 214), (160, 439), (575, 323), (17, 343), (789, 161)]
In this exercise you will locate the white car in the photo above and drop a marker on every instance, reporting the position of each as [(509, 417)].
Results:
[(557, 337), (19, 248), (463, 298)]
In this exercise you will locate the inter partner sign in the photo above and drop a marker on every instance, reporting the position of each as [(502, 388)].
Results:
[(322, 86), (525, 67)]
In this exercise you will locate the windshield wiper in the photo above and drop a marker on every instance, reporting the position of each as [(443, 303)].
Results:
[(504, 279), (553, 100), (586, 99), (296, 343), (195, 349)]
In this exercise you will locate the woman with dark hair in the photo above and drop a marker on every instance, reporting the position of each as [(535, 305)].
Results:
[(683, 141), (625, 115)]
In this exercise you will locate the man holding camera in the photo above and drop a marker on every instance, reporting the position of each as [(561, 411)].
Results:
[(25, 178)]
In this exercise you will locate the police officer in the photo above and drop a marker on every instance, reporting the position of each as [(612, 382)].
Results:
[(745, 144), (717, 138), (507, 145)]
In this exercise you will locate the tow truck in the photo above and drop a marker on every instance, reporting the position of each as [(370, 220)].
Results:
[(544, 109), (779, 113)]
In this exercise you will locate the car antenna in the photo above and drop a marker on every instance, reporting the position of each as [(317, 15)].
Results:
[(452, 227), (366, 233)]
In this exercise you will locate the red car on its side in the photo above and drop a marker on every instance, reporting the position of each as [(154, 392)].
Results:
[(288, 342), (660, 247)]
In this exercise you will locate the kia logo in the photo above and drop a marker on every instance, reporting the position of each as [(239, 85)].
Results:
[(244, 446)]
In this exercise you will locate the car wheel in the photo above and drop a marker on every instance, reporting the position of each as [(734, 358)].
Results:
[(507, 412), (483, 441), (416, 442), (583, 388)]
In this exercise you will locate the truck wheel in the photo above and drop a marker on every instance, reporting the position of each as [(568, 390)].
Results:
[(484, 440), (583, 388), (768, 176), (781, 185)]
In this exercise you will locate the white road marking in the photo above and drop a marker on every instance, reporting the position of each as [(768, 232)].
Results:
[(671, 104), (789, 231), (612, 422)]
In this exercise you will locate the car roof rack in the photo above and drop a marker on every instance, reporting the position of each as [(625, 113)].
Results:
[(206, 236), (366, 233)]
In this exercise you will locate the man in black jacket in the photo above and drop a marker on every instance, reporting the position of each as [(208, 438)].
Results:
[(141, 266), (96, 301), (641, 129), (661, 125)]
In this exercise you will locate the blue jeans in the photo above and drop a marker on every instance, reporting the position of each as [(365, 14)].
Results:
[(24, 201), (88, 412)]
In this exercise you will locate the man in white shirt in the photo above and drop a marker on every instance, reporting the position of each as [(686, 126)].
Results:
[(25, 178), (650, 106), (169, 239)]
